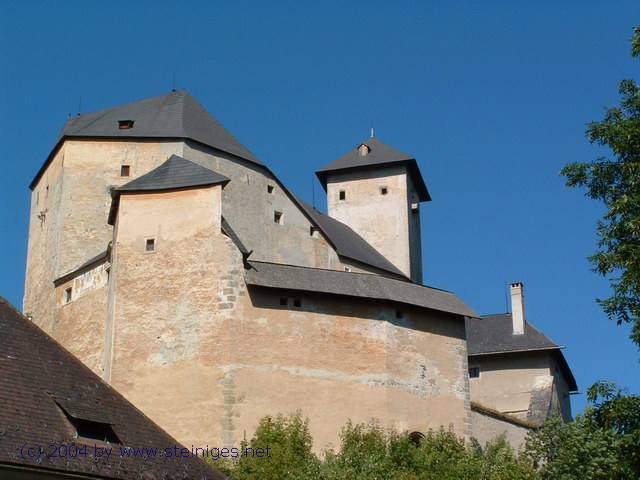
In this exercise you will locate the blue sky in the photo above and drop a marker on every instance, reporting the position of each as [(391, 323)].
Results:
[(491, 97)]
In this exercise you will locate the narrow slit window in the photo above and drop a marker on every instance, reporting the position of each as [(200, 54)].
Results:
[(269, 188), (150, 245), (125, 124), (125, 170), (474, 372), (68, 294), (342, 195), (277, 217), (384, 190)]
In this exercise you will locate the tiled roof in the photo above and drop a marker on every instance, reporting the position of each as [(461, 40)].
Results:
[(40, 380), (364, 285), (380, 154)]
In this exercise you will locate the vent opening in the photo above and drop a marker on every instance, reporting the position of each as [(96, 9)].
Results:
[(125, 124)]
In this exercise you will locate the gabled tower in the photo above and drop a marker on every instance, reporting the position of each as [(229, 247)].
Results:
[(377, 190)]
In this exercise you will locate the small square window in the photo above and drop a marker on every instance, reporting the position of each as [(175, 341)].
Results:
[(125, 124), (150, 245), (343, 195), (283, 301), (269, 188), (277, 217), (297, 303), (125, 170), (68, 292), (383, 190), (474, 372)]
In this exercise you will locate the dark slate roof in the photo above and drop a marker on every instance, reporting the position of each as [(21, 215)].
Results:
[(175, 173), (493, 334), (230, 232), (173, 115), (363, 285), (39, 378), (379, 154), (348, 243)]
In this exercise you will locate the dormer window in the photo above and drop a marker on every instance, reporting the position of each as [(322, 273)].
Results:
[(125, 124), (364, 150), (90, 429)]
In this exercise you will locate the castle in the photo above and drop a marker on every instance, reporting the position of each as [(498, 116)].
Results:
[(175, 265)]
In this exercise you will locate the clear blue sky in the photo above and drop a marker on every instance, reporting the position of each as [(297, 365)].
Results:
[(491, 98)]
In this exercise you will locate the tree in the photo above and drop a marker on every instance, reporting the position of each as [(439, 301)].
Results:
[(601, 444), (616, 182)]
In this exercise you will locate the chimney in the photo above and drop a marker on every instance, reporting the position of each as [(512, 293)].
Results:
[(517, 308)]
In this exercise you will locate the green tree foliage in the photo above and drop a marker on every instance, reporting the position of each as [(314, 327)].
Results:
[(603, 443), (616, 182), (368, 452)]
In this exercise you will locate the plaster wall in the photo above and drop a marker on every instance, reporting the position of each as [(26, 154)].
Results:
[(337, 360), (385, 221), (80, 324), (43, 245), (486, 428), (249, 207), (171, 309), (508, 383), (69, 209)]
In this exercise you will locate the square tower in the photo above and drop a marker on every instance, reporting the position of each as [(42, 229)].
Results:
[(377, 190)]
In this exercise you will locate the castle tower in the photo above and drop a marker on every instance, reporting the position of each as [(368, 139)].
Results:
[(376, 190)]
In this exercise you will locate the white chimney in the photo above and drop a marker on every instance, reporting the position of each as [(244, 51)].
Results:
[(517, 308)]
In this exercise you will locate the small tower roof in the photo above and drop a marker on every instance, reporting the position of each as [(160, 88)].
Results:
[(175, 173), (374, 155)]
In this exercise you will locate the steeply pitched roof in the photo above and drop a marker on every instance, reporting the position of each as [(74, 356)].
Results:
[(364, 285), (348, 243), (175, 173), (493, 334), (40, 380), (173, 115), (380, 154)]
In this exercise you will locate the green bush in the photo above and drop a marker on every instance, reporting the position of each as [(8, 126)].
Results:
[(603, 443)]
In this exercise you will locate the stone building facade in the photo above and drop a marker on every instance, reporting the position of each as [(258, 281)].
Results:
[(177, 266)]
